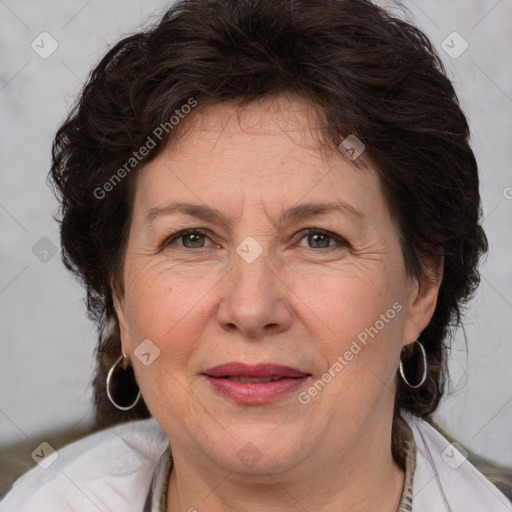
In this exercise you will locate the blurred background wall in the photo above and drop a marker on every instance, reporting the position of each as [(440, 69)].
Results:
[(47, 49)]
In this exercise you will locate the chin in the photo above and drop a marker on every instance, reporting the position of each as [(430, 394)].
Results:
[(259, 450)]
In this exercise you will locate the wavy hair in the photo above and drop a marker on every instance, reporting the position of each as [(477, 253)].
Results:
[(367, 72)]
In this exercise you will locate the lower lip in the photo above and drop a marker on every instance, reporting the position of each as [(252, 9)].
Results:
[(256, 393)]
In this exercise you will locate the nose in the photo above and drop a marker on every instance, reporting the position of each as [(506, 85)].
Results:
[(254, 300)]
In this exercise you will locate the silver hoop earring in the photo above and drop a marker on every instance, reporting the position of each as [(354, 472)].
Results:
[(109, 386), (424, 376)]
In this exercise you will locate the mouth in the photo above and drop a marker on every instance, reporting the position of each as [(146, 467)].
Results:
[(257, 384), (255, 380)]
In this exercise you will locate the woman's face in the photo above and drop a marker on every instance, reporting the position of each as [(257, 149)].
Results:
[(296, 263)]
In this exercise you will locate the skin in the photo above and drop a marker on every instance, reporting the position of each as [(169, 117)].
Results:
[(301, 303)]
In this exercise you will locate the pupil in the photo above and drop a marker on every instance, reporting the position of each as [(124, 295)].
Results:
[(193, 239), (322, 239)]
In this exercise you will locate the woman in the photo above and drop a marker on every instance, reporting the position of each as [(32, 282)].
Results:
[(274, 209)]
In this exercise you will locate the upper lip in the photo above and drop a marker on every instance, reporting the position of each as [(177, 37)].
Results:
[(237, 369)]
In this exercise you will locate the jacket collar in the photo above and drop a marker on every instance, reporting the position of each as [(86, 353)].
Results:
[(444, 480)]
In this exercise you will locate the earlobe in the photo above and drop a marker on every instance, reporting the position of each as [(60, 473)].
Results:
[(423, 300)]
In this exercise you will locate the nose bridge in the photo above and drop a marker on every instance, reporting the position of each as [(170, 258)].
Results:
[(252, 272), (254, 299)]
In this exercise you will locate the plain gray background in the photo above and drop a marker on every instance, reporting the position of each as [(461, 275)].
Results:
[(46, 341)]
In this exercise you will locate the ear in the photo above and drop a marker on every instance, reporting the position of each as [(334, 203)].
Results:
[(422, 299), (118, 299)]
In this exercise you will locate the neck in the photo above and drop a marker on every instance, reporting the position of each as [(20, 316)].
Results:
[(361, 479)]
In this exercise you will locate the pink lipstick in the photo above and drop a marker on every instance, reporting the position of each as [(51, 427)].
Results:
[(255, 384)]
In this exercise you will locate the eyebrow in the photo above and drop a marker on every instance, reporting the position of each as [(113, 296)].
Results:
[(297, 213)]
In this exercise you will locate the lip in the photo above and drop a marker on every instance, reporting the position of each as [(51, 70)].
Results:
[(253, 392), (237, 369)]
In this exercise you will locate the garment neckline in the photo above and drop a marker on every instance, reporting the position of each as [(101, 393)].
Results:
[(156, 500)]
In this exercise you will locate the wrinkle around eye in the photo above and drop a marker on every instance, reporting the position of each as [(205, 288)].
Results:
[(298, 242), (178, 236)]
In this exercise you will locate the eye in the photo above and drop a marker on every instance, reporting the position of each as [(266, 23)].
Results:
[(320, 239), (190, 239), (197, 238)]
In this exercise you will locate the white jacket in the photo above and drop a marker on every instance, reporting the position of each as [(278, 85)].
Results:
[(111, 471), (444, 481)]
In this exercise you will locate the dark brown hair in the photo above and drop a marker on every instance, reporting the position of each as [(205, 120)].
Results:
[(366, 71)]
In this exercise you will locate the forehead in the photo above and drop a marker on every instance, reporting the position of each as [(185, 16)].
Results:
[(271, 150)]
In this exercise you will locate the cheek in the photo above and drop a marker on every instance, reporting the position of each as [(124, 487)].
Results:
[(158, 301), (356, 317), (343, 303), (172, 311), (172, 315)]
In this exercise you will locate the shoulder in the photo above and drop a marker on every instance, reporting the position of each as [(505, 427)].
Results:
[(110, 469), (444, 479)]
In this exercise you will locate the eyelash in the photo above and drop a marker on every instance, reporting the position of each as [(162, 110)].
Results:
[(310, 231)]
